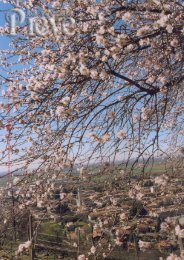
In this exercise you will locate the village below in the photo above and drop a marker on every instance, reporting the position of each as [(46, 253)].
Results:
[(102, 209)]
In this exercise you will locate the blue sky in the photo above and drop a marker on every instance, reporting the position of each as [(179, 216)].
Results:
[(4, 8), (4, 45)]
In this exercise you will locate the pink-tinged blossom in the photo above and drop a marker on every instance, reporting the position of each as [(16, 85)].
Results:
[(81, 257), (84, 70), (106, 137), (121, 134), (143, 245), (23, 247), (161, 180), (93, 249), (179, 232), (126, 16), (173, 257)]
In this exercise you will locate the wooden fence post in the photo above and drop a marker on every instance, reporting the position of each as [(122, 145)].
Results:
[(13, 216), (32, 253)]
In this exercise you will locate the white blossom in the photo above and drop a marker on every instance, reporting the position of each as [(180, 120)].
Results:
[(126, 17), (16, 180), (93, 249), (81, 257), (121, 134), (84, 70), (144, 245), (173, 257), (23, 247)]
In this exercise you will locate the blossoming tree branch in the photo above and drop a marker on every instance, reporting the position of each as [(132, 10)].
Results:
[(105, 86)]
